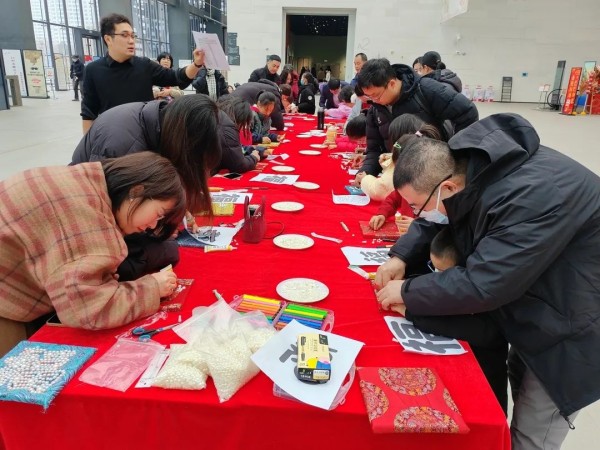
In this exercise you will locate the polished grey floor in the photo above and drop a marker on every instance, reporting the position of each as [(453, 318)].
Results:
[(45, 132)]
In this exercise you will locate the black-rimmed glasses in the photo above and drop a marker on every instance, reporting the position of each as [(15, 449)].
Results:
[(418, 213)]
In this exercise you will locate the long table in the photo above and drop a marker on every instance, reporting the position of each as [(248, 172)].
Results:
[(88, 417)]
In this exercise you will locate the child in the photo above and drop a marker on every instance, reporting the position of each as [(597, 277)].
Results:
[(261, 120), (345, 107), (356, 136), (287, 99), (404, 125), (306, 97), (488, 345)]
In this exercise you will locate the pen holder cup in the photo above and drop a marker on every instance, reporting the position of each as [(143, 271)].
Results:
[(255, 225)]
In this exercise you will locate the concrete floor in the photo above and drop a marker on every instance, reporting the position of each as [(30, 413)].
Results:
[(45, 132)]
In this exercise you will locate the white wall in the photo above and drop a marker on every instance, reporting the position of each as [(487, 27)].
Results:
[(499, 37)]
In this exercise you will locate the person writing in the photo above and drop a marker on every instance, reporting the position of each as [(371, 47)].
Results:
[(526, 222), (63, 254)]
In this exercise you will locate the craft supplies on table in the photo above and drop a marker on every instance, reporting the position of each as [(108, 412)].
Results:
[(35, 372), (268, 306), (317, 318)]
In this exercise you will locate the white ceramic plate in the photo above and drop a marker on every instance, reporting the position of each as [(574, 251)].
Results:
[(303, 136), (293, 241), (287, 206), (288, 124), (310, 152), (306, 185), (318, 146), (302, 290), (283, 168)]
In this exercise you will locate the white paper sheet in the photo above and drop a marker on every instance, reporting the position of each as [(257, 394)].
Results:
[(283, 156), (222, 235), (362, 256), (215, 56), (278, 357), (417, 341), (356, 200), (236, 198), (352, 171), (276, 179)]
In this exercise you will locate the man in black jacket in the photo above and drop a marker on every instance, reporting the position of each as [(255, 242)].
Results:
[(210, 82), (329, 93), (526, 220), (396, 90), (76, 75), (269, 72)]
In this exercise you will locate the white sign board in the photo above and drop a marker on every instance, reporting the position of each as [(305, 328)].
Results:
[(13, 65)]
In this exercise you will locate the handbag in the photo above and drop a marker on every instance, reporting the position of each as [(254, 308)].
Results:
[(255, 225)]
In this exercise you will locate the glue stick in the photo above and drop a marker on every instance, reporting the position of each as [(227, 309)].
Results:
[(218, 248)]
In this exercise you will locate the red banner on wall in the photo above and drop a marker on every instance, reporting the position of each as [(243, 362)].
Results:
[(571, 95)]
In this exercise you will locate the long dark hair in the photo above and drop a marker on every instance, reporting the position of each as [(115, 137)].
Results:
[(146, 176), (190, 140), (237, 109)]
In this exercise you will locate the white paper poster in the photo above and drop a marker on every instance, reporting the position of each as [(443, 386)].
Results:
[(356, 200), (359, 256), (215, 56), (34, 73), (13, 65), (417, 341), (276, 179), (278, 358)]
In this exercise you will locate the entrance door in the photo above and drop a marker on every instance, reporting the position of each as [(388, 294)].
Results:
[(90, 48)]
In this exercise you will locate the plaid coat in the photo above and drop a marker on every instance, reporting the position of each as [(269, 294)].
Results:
[(59, 248)]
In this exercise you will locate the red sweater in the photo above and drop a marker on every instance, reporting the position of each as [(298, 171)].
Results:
[(392, 203)]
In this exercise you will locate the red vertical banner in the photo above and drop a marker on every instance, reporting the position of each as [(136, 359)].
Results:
[(571, 96)]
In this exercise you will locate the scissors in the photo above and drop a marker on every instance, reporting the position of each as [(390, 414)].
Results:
[(145, 335)]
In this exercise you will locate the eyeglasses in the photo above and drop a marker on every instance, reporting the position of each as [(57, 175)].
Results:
[(125, 35), (418, 213), (375, 99), (430, 266)]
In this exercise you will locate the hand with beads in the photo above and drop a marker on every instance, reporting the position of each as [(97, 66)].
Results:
[(167, 282)]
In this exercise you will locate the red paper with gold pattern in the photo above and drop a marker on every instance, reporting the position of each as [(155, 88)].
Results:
[(408, 400)]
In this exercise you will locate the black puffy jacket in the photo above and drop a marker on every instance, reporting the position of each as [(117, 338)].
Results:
[(527, 225), (201, 85), (306, 99), (232, 153), (250, 92), (138, 126), (432, 101), (446, 76)]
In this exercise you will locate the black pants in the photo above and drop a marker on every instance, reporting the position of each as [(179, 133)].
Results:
[(147, 254), (76, 87)]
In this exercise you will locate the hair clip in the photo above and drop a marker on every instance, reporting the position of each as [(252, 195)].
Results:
[(397, 146), (418, 134)]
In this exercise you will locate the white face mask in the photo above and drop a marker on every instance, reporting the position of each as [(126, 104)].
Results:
[(435, 215)]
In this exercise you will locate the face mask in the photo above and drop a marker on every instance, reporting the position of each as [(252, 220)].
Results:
[(435, 215)]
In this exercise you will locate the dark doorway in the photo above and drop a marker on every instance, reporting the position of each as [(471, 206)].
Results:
[(317, 41)]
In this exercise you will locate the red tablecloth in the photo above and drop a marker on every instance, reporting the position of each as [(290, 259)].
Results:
[(88, 417)]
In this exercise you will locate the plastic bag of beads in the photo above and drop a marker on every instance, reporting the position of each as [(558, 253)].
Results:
[(185, 369), (217, 316), (255, 328), (122, 364), (228, 358)]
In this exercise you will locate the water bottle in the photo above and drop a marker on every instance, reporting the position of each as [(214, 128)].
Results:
[(321, 119)]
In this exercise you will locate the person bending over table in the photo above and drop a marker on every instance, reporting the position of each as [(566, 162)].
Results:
[(526, 220), (185, 131), (62, 235), (261, 120)]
